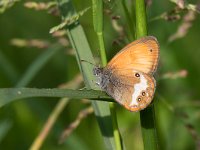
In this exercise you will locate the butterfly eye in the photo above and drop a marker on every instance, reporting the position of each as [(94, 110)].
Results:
[(139, 99), (151, 50), (137, 75), (143, 93)]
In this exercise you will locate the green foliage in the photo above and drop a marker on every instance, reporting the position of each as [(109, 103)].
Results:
[(12, 94), (44, 67), (5, 4), (147, 116), (68, 21)]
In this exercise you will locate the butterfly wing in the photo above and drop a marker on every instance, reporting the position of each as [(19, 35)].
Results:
[(141, 55), (132, 89)]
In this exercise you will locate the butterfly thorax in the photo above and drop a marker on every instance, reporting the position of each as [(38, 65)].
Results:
[(103, 77)]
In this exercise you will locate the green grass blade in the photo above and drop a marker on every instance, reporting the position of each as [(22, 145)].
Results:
[(7, 68), (38, 64), (83, 52), (129, 20), (8, 95), (97, 6), (147, 116), (149, 135), (141, 24), (54, 115), (5, 126)]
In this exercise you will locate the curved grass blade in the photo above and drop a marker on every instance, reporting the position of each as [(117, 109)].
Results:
[(97, 8), (38, 64), (8, 95), (83, 52), (7, 68)]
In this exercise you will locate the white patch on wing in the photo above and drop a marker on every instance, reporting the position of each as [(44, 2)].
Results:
[(138, 88)]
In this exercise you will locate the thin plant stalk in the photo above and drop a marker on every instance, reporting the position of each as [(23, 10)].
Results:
[(98, 26), (141, 23), (60, 106), (147, 116), (83, 52), (102, 49), (39, 140), (129, 20)]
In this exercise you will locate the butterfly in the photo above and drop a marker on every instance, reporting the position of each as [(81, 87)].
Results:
[(128, 77)]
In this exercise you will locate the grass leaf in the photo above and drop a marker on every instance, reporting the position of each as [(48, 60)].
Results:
[(83, 52), (8, 95), (147, 116)]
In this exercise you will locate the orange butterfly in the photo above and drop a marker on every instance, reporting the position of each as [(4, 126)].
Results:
[(128, 77)]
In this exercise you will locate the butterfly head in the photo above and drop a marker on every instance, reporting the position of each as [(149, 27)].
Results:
[(103, 76), (97, 71)]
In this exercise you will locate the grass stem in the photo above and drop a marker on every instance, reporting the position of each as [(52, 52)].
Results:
[(98, 26), (147, 116)]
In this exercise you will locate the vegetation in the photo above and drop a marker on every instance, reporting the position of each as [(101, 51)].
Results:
[(49, 48)]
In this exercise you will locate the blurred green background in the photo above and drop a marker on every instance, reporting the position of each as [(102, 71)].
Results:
[(178, 79)]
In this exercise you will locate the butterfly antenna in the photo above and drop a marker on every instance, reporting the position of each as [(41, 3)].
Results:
[(88, 62)]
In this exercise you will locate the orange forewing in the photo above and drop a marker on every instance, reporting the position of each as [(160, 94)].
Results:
[(141, 55)]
